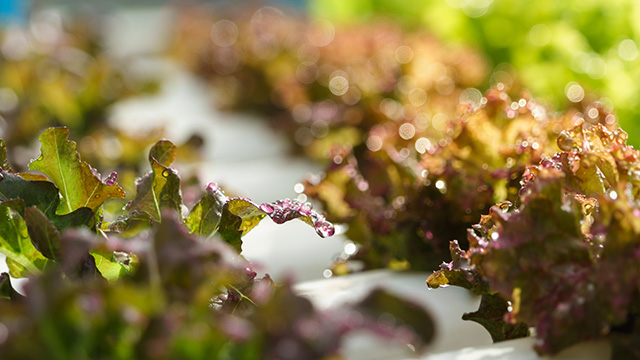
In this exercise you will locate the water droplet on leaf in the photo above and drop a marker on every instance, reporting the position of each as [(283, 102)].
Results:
[(324, 229), (565, 142), (111, 179), (267, 208)]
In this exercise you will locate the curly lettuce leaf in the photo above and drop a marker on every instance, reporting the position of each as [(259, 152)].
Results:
[(159, 188), (241, 215), (79, 184), (233, 218), (494, 309)]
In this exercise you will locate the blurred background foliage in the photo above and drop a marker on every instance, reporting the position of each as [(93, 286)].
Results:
[(550, 44)]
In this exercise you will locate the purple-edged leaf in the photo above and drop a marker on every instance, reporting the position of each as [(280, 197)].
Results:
[(204, 218), (43, 233), (164, 152), (241, 215), (282, 211), (458, 272), (79, 184), (160, 188), (23, 259)]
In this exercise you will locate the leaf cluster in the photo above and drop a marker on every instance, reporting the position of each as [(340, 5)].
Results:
[(565, 255), (154, 284), (405, 201)]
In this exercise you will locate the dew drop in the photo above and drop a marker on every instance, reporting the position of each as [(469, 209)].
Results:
[(324, 229), (565, 142), (268, 208), (118, 226), (213, 187), (111, 179), (166, 172), (305, 209)]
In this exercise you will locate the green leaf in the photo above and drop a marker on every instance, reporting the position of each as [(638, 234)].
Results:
[(23, 259), (164, 152), (79, 184), (246, 211), (160, 188), (112, 265), (205, 216), (239, 216), (43, 233)]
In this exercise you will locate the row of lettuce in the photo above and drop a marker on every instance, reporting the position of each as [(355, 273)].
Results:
[(153, 283), (415, 156)]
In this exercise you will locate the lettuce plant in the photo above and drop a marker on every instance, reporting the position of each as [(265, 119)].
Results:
[(153, 283), (563, 258), (403, 200), (324, 84)]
